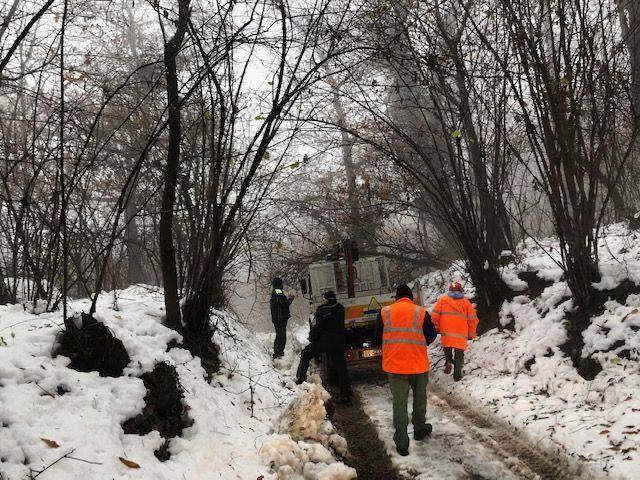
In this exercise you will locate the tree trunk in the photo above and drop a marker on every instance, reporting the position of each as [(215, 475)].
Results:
[(132, 241), (491, 292), (5, 294), (356, 227), (171, 173), (197, 308), (135, 271)]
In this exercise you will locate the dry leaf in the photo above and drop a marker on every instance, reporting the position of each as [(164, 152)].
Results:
[(129, 463), (604, 432), (50, 443)]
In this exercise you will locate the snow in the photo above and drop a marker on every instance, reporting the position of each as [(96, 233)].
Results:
[(511, 279), (523, 377), (297, 339), (251, 420), (234, 416), (82, 412), (306, 443)]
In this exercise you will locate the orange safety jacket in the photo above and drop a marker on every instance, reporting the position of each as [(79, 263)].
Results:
[(404, 347), (456, 321)]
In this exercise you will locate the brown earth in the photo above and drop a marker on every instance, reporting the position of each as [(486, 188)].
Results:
[(367, 453)]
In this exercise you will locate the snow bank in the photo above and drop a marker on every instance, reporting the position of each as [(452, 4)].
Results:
[(523, 376), (305, 443), (80, 414)]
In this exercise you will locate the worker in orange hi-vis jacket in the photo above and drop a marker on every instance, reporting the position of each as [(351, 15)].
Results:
[(456, 320), (406, 331)]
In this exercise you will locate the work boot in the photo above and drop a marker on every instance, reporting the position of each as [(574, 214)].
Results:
[(300, 380), (402, 451), (422, 434), (447, 368)]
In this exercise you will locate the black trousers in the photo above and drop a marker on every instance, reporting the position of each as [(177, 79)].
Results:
[(281, 338), (455, 356), (337, 361)]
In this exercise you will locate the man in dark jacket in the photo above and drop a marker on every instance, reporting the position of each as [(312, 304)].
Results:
[(279, 316), (328, 335)]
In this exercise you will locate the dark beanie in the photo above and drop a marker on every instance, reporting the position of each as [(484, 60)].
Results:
[(403, 291), (277, 282), (329, 295)]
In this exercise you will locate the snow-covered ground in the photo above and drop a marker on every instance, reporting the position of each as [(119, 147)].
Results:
[(523, 376), (49, 412), (251, 421), (448, 454)]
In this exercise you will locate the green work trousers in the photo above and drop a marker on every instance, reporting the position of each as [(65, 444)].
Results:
[(455, 356), (400, 385)]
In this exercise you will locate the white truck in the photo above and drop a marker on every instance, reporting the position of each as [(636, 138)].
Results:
[(362, 286)]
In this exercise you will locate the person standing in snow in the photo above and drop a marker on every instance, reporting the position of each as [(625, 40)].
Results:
[(456, 320), (406, 331), (279, 316), (328, 335)]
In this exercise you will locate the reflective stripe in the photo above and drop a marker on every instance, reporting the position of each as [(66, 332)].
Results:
[(386, 319), (402, 330), (436, 312), (278, 291), (405, 340), (416, 318), (454, 335), (458, 314), (455, 314), (385, 316)]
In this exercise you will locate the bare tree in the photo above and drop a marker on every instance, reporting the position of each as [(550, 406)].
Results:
[(172, 47), (230, 174), (438, 120), (563, 70), (21, 34)]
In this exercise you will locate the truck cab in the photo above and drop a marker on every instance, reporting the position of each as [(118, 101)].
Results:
[(362, 287)]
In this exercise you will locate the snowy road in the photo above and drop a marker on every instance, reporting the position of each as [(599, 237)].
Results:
[(463, 445)]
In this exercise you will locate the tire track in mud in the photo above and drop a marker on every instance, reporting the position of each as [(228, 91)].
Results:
[(367, 453), (518, 455)]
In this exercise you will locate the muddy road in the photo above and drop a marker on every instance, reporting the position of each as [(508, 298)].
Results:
[(466, 444)]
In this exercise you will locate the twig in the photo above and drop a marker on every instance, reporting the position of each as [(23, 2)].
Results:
[(16, 324), (251, 390), (66, 455), (45, 391), (83, 460)]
